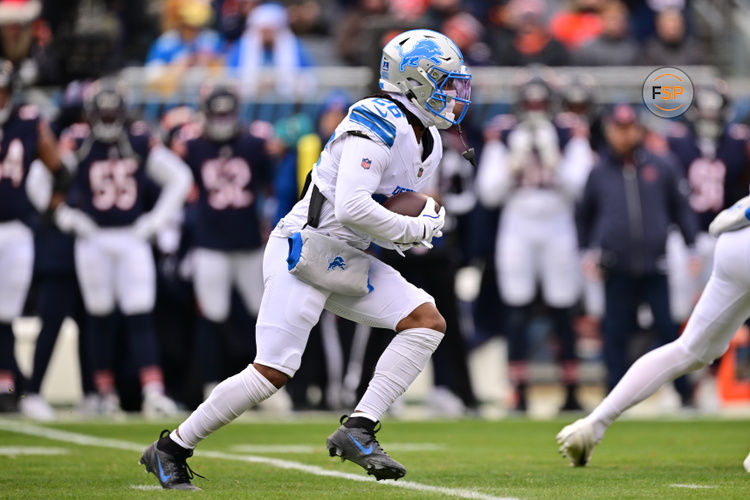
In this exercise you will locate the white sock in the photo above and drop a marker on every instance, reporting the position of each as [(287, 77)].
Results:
[(398, 366), (153, 387), (227, 401), (364, 415), (648, 373)]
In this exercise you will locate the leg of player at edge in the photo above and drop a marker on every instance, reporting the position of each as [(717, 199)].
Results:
[(721, 310)]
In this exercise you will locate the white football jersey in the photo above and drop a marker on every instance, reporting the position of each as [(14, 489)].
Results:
[(389, 136)]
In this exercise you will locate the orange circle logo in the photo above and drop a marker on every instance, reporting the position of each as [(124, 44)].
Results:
[(668, 92)]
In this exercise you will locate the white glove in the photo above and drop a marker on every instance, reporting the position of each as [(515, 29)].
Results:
[(432, 222), (145, 227), (732, 218), (72, 220), (547, 145), (400, 248), (520, 143)]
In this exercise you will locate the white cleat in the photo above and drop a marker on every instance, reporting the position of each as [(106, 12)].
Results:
[(109, 406), (746, 463), (36, 407), (157, 405), (577, 442)]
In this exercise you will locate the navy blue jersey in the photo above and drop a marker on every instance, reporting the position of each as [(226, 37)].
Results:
[(230, 177), (111, 183), (715, 182), (18, 148)]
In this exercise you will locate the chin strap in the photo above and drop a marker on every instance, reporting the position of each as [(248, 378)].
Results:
[(468, 154)]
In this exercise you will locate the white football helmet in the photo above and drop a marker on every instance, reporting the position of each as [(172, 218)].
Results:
[(428, 68)]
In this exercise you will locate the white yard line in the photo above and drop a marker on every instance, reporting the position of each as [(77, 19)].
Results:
[(294, 448), (31, 450), (87, 440), (692, 486), (146, 487)]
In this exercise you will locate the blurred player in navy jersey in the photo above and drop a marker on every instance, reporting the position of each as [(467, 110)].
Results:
[(57, 292), (715, 155), (114, 262), (231, 171), (24, 137), (536, 170)]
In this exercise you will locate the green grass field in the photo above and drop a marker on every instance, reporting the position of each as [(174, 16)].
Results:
[(447, 459)]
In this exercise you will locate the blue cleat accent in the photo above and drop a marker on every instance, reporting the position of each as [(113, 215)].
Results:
[(171, 469), (359, 445)]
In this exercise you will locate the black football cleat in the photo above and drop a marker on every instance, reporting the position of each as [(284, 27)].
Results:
[(358, 444), (169, 467)]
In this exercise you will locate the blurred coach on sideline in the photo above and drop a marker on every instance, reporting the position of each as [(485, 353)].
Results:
[(631, 198)]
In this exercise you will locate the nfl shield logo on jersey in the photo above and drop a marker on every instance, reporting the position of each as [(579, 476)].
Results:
[(366, 162)]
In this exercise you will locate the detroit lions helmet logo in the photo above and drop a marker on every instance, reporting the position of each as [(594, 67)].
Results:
[(424, 49), (338, 261)]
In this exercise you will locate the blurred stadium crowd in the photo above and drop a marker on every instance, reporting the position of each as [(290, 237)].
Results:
[(578, 213)]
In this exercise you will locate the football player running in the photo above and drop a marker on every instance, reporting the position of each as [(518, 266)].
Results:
[(721, 310), (387, 144), (231, 170), (106, 211)]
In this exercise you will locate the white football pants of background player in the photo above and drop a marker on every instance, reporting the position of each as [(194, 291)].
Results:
[(17, 264), (536, 239), (720, 311), (215, 272)]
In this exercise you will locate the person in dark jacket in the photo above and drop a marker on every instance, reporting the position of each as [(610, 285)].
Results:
[(630, 200)]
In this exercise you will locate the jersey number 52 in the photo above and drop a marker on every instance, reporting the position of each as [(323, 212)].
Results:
[(226, 180)]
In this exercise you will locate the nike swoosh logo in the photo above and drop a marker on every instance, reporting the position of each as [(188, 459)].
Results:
[(364, 450), (164, 478)]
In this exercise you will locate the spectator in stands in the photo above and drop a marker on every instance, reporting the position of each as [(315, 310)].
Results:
[(269, 53), (25, 41), (615, 46), (232, 15), (530, 41), (408, 10), (631, 198), (671, 45), (352, 26), (191, 43), (306, 17), (439, 11), (578, 24), (467, 32)]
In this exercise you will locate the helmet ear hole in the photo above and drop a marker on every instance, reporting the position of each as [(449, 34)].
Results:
[(414, 83)]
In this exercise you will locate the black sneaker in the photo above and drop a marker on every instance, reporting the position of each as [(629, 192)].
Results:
[(355, 441), (8, 402), (519, 397), (571, 400), (166, 460)]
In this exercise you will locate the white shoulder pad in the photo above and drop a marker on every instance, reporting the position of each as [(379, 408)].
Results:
[(377, 118)]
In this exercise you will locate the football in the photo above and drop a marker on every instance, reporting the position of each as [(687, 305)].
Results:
[(408, 203)]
